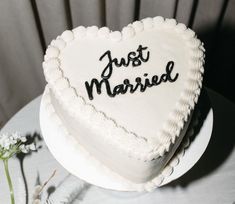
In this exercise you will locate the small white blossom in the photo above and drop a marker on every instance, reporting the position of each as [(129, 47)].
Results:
[(6, 144), (23, 139), (32, 147), (13, 143), (10, 145), (6, 140), (23, 148), (16, 135), (3, 137)]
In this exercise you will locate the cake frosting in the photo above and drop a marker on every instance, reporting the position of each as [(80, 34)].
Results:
[(133, 92)]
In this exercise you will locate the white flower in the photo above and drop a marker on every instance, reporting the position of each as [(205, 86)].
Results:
[(6, 140), (32, 147), (23, 139), (3, 137), (6, 143), (24, 148), (13, 143), (10, 145), (16, 135)]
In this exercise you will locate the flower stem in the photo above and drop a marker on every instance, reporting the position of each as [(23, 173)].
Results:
[(9, 181)]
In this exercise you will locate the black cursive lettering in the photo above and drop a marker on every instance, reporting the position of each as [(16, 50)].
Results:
[(140, 84), (133, 58)]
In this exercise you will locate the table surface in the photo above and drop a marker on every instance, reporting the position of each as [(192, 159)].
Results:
[(211, 180)]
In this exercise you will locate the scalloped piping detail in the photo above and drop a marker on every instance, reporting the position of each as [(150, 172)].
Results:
[(188, 98), (148, 186)]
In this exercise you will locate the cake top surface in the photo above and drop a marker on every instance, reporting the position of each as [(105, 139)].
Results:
[(139, 85)]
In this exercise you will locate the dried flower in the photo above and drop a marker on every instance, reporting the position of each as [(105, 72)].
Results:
[(39, 188), (37, 201)]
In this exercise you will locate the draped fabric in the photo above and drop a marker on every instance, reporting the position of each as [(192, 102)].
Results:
[(28, 26)]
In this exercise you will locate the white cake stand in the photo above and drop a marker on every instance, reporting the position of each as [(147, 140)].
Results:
[(96, 174)]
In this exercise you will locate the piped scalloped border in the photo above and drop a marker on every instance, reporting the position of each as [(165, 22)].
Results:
[(177, 118), (147, 186)]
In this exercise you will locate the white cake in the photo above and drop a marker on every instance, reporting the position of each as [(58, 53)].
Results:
[(132, 93)]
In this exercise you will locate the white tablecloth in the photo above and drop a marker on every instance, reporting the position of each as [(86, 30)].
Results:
[(211, 180)]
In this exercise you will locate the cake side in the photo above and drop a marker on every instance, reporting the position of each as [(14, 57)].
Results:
[(71, 147), (168, 134), (107, 152)]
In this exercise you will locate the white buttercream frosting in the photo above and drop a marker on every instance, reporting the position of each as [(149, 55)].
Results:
[(104, 32), (79, 32), (67, 36), (138, 26), (116, 36), (191, 55), (128, 32), (147, 125), (92, 31), (52, 52), (158, 21), (148, 23), (58, 43)]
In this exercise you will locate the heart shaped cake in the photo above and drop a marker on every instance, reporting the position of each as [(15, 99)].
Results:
[(132, 92)]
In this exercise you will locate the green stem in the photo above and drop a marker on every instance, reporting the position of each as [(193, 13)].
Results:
[(9, 181)]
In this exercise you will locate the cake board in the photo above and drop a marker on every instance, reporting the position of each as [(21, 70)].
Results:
[(91, 171)]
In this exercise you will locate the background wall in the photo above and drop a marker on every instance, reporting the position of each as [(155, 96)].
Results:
[(27, 27)]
